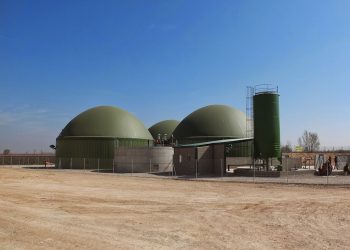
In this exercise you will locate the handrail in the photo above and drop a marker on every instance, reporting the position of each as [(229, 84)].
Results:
[(266, 88)]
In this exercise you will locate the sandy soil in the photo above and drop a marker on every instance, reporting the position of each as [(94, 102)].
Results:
[(52, 209)]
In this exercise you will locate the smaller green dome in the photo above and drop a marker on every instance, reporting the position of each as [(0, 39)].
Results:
[(162, 128)]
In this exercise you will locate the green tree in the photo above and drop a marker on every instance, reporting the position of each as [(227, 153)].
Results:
[(6, 152)]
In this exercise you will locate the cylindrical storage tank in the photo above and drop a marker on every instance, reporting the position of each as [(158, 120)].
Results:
[(266, 125)]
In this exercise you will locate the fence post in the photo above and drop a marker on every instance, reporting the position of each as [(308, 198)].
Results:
[(327, 174), (113, 165), (287, 170), (132, 166), (71, 163), (98, 165), (222, 170), (196, 168), (84, 163), (253, 170)]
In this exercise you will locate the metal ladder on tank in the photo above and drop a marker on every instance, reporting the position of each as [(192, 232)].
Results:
[(250, 120), (250, 112)]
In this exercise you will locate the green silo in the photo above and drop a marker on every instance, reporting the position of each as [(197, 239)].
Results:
[(266, 125)]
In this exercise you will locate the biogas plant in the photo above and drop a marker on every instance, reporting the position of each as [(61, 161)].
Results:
[(212, 140)]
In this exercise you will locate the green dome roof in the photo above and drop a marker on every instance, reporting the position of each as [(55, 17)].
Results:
[(212, 122), (163, 127), (106, 121)]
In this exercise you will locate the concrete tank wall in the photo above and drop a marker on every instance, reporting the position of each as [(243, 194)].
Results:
[(162, 158), (143, 160)]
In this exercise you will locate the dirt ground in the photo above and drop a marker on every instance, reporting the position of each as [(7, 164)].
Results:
[(56, 209)]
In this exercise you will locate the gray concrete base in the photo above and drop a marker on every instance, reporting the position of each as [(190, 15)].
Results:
[(143, 160)]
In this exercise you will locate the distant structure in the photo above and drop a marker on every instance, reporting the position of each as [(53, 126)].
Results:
[(207, 141), (162, 132)]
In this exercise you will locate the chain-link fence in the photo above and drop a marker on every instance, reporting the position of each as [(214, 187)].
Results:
[(290, 171), (24, 159), (131, 165), (322, 172)]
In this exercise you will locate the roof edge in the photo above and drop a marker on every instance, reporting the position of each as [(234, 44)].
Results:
[(100, 137), (201, 144)]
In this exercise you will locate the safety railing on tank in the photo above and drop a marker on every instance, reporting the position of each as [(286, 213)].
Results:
[(266, 88)]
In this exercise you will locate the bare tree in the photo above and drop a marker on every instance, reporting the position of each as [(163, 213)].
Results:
[(309, 141), (287, 148)]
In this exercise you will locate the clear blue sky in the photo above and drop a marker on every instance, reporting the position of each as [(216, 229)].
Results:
[(164, 59)]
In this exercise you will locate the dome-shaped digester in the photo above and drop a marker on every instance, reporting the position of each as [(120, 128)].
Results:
[(96, 133), (106, 121), (213, 122), (266, 125), (163, 130)]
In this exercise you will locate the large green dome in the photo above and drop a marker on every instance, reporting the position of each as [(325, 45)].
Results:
[(162, 128), (213, 122), (106, 121)]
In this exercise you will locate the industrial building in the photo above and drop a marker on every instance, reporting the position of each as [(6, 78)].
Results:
[(207, 141), (214, 138), (204, 136)]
